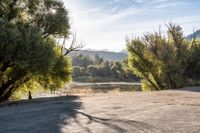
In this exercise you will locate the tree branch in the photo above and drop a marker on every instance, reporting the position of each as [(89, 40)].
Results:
[(74, 46)]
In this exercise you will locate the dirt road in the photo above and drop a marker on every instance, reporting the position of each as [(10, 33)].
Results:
[(118, 112)]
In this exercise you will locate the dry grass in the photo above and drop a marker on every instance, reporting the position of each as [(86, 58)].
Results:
[(91, 90)]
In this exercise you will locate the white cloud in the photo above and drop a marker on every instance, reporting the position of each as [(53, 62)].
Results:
[(101, 27)]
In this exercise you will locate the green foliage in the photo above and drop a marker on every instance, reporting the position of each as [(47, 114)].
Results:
[(78, 71), (146, 86), (92, 70), (162, 62), (193, 71), (82, 61), (97, 60), (99, 68), (85, 60), (117, 70), (22, 92), (85, 79), (28, 52), (104, 69)]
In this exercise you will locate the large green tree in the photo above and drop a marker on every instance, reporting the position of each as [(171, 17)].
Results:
[(160, 60), (28, 49)]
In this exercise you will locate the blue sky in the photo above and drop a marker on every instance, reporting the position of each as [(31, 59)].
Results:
[(104, 24)]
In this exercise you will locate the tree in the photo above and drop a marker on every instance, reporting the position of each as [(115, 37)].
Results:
[(92, 70), (102, 71), (82, 60), (84, 65), (83, 72), (117, 70), (192, 70), (28, 50), (105, 69), (78, 71), (158, 60), (127, 72), (97, 60)]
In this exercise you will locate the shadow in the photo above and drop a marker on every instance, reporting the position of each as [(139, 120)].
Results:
[(44, 115), (61, 115), (36, 101), (112, 125), (190, 89)]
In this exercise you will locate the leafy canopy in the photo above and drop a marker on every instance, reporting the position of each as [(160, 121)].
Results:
[(28, 49), (163, 62)]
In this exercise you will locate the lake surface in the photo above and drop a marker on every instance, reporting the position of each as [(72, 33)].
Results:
[(103, 87), (105, 83)]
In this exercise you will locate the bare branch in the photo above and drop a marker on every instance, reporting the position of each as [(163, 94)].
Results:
[(74, 46)]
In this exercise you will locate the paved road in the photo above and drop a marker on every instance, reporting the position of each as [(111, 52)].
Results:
[(133, 112)]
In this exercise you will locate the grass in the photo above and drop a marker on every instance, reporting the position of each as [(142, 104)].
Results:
[(84, 90)]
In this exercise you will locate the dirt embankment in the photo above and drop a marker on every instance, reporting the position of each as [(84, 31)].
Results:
[(117, 112)]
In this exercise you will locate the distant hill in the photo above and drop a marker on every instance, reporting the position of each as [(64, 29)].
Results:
[(197, 35), (124, 51), (108, 55)]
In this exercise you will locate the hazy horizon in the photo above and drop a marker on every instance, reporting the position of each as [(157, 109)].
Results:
[(105, 24)]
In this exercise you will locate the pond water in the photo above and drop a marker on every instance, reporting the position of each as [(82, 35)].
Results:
[(104, 86), (105, 83)]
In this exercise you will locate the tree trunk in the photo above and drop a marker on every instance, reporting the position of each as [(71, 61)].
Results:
[(11, 86), (7, 95), (29, 95)]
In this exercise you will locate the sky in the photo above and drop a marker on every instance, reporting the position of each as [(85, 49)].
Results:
[(105, 24)]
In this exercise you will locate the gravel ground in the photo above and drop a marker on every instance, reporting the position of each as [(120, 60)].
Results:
[(172, 111)]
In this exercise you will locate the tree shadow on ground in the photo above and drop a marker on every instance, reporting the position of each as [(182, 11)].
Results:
[(42, 115), (190, 89), (108, 125), (62, 115)]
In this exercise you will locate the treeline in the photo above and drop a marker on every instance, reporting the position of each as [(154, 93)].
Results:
[(95, 67), (165, 61)]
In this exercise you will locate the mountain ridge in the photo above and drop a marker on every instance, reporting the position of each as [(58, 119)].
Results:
[(108, 55), (195, 34)]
